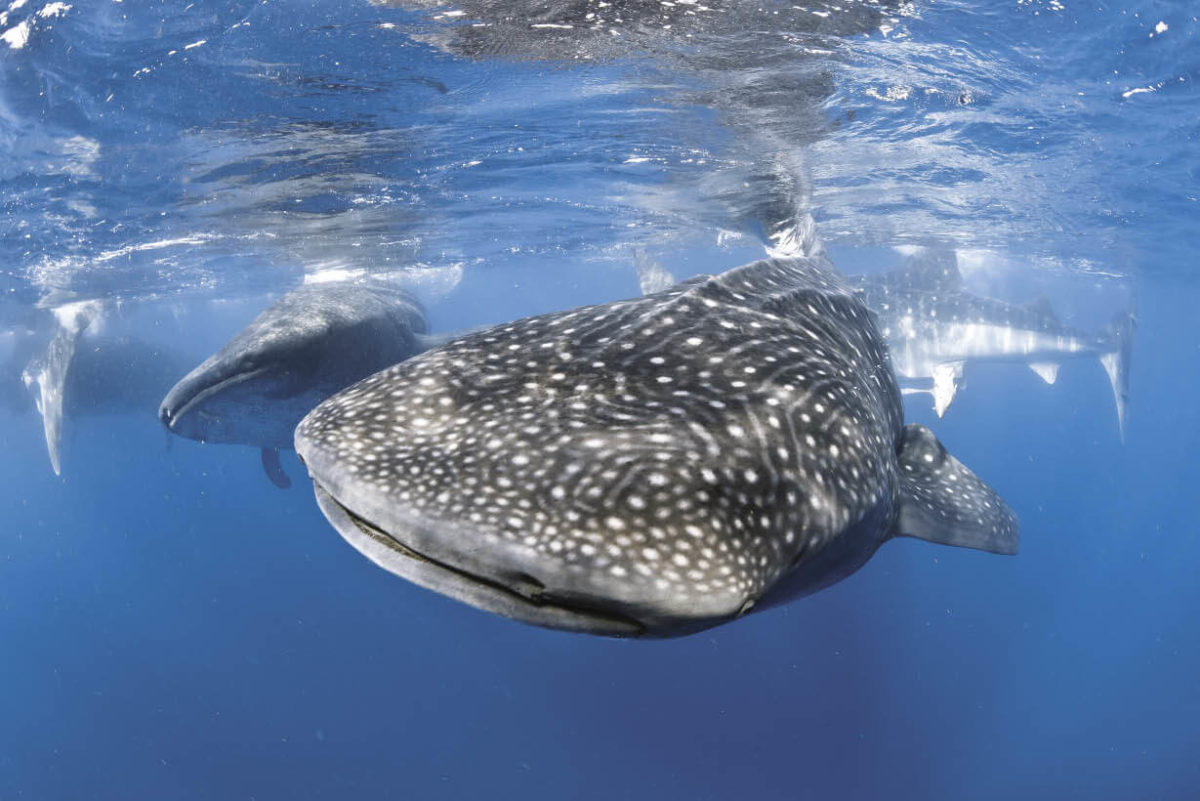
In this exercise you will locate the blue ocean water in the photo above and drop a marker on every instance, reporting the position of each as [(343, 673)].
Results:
[(173, 626)]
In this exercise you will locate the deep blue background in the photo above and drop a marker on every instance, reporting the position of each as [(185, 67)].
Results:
[(175, 627)]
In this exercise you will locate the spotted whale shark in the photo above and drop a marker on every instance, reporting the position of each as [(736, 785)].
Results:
[(646, 467), (312, 342), (934, 328)]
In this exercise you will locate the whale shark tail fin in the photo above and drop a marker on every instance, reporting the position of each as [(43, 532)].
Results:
[(1116, 362), (49, 372), (942, 501)]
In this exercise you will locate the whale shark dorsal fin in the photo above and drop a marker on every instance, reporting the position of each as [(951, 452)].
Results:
[(652, 276), (273, 469), (1047, 371), (942, 501), (1041, 307), (931, 269), (945, 384)]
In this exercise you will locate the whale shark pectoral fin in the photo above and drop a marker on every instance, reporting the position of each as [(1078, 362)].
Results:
[(945, 384), (273, 469), (1047, 371), (942, 501)]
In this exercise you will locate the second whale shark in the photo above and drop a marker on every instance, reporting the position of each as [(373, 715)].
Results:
[(312, 342), (650, 467)]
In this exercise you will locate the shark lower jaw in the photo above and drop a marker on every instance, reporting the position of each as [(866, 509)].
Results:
[(526, 600)]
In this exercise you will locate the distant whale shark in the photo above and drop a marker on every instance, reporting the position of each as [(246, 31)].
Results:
[(309, 344), (934, 327), (652, 466)]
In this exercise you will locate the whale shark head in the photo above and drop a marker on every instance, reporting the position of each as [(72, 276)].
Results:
[(645, 467), (248, 392), (306, 346)]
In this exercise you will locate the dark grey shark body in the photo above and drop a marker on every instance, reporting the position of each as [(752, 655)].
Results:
[(306, 346), (934, 327), (645, 467)]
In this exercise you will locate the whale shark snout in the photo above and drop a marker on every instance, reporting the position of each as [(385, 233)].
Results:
[(184, 403), (231, 400), (638, 565)]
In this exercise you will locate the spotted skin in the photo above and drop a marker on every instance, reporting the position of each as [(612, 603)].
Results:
[(667, 460)]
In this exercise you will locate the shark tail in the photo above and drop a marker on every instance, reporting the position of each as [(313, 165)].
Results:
[(50, 373), (1116, 363)]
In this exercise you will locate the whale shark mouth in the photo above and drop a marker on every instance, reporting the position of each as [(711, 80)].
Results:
[(170, 417), (525, 599)]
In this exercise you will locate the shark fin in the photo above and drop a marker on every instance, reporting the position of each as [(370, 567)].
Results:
[(1047, 371), (651, 275), (940, 500), (931, 268), (273, 469), (945, 384), (1041, 307), (1116, 363)]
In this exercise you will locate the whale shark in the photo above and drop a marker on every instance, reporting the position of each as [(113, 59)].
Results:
[(646, 467), (312, 342), (934, 327)]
